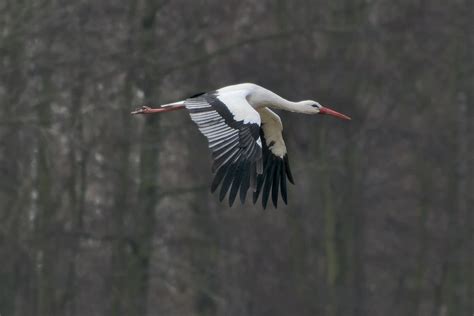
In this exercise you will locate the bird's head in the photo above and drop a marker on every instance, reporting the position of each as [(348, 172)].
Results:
[(313, 107)]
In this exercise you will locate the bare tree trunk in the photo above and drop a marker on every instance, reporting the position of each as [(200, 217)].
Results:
[(16, 273), (456, 284), (354, 229), (424, 176), (330, 218), (77, 189), (465, 161), (132, 251), (46, 225)]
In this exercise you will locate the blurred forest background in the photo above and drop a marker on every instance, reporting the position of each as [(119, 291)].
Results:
[(102, 213)]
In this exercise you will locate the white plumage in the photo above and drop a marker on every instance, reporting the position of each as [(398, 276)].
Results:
[(245, 138)]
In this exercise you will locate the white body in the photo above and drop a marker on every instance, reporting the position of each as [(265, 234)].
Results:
[(245, 138)]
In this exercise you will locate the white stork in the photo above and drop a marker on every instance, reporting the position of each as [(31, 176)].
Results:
[(245, 137)]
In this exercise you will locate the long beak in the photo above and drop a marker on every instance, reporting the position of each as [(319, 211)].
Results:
[(148, 110), (328, 111)]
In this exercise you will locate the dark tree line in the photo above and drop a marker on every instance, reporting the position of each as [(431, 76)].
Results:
[(102, 213)]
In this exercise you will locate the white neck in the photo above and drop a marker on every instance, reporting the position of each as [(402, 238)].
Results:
[(261, 97)]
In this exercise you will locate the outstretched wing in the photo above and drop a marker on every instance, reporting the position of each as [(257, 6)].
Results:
[(276, 168), (232, 128)]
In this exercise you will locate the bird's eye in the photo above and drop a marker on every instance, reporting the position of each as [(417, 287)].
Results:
[(315, 105)]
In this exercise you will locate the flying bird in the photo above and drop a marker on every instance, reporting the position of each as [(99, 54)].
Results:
[(245, 138)]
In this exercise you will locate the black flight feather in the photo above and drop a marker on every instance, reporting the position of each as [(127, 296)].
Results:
[(227, 181), (233, 144), (276, 182), (288, 171), (260, 181), (236, 183), (226, 159), (268, 184), (225, 150), (282, 176), (218, 178), (245, 183)]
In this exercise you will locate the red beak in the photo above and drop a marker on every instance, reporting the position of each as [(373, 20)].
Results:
[(324, 110)]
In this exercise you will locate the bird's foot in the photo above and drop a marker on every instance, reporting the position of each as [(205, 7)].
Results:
[(167, 108), (143, 110)]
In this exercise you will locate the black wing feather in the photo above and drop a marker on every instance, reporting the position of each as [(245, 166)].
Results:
[(284, 194), (276, 171), (233, 144), (288, 170), (245, 182), (227, 181), (276, 183), (237, 153), (220, 174), (236, 183), (268, 183)]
